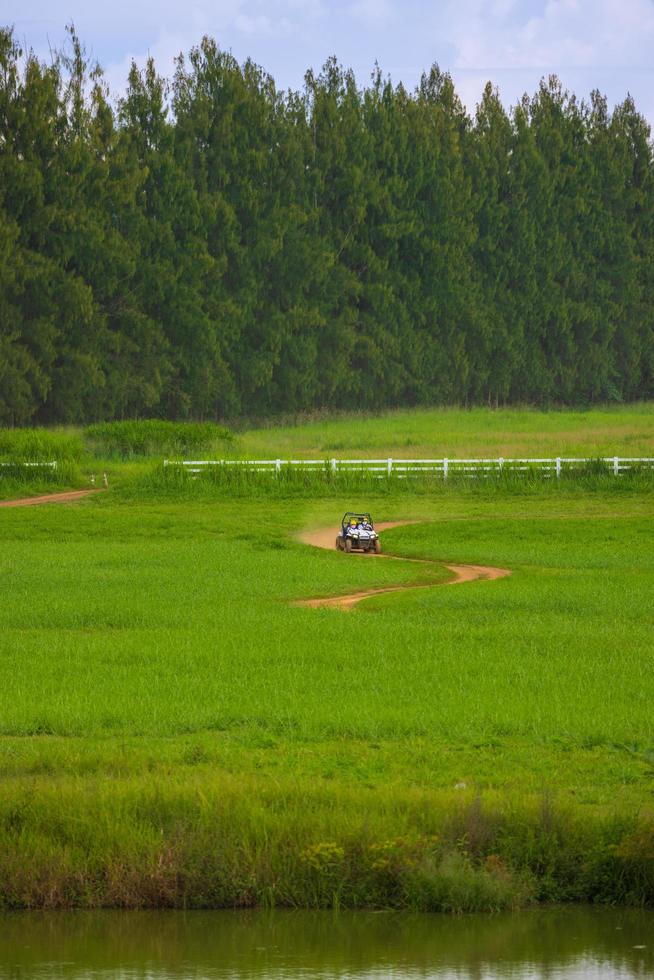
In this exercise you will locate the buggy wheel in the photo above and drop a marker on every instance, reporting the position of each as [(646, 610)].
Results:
[(377, 546), (338, 544), (348, 545)]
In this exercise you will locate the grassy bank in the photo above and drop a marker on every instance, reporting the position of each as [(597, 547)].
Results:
[(174, 731), (200, 839)]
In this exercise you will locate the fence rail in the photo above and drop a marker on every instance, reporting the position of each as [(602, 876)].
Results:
[(51, 466), (405, 468)]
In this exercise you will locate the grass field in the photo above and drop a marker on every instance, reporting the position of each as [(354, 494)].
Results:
[(625, 430), (126, 450), (175, 731)]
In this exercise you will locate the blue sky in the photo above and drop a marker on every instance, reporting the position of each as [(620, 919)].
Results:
[(605, 44)]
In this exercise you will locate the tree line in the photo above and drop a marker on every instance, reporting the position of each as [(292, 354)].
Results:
[(211, 246)]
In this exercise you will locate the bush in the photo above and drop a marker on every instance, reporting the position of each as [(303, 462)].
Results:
[(154, 437)]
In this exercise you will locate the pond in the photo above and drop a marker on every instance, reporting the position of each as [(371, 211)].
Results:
[(594, 944)]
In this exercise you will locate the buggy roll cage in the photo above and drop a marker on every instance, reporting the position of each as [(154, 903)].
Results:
[(358, 517)]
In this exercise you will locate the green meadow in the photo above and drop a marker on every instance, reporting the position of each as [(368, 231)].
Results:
[(175, 731), (131, 452), (625, 430)]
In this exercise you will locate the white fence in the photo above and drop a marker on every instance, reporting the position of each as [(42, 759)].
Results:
[(13, 466), (439, 468)]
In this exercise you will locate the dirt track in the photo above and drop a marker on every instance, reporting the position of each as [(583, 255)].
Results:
[(49, 498), (326, 538)]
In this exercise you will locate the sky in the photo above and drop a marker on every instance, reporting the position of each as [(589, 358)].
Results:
[(604, 44)]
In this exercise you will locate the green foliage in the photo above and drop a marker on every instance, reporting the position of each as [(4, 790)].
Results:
[(155, 437), (213, 247)]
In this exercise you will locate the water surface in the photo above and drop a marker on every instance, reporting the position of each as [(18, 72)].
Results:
[(594, 944)]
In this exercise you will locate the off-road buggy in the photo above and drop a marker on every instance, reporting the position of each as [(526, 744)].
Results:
[(358, 534)]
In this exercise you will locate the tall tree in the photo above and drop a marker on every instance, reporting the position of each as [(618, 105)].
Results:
[(216, 246)]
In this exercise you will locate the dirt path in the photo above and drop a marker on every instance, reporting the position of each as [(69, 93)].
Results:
[(326, 537), (49, 498)]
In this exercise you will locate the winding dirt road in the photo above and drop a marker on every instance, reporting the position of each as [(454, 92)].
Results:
[(49, 498), (325, 538)]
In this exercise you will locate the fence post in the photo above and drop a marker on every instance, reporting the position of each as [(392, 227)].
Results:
[(616, 466), (278, 465), (558, 467), (501, 463), (445, 468), (390, 466)]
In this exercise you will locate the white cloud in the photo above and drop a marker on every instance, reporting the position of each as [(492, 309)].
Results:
[(227, 22), (164, 51), (262, 24), (307, 9), (590, 44), (562, 34), (606, 44), (373, 13)]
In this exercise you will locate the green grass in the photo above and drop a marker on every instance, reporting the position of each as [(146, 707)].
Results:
[(626, 430), (42, 445), (212, 482), (155, 437), (175, 731), (18, 481), (126, 450), (20, 449), (189, 609)]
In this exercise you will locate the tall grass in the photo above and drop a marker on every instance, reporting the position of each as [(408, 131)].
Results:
[(39, 445), (21, 452), (154, 437), (28, 474), (306, 481), (221, 842), (20, 480)]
